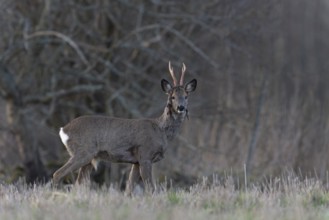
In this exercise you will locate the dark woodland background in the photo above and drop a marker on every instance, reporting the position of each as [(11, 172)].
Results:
[(262, 70)]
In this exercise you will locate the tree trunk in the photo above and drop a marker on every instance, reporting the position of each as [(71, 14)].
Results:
[(23, 131)]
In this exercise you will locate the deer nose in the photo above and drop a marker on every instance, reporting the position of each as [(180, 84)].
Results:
[(180, 108)]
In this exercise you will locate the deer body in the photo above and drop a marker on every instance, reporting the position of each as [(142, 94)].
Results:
[(115, 139), (140, 142)]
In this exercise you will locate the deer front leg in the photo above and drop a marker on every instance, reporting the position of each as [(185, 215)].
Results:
[(134, 178), (145, 169)]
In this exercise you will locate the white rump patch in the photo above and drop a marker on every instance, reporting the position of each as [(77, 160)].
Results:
[(64, 137)]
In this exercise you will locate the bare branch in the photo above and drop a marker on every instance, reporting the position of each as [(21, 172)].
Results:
[(61, 93), (64, 38), (192, 46)]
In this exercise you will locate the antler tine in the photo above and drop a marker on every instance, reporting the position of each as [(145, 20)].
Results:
[(181, 82), (171, 70)]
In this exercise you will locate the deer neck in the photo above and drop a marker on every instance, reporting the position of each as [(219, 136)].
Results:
[(170, 121)]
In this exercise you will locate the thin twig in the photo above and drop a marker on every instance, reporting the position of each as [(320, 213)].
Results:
[(61, 93), (64, 38), (192, 46)]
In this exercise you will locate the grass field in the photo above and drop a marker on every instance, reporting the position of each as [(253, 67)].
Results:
[(281, 198)]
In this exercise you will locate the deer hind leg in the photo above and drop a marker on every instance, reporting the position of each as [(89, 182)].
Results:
[(75, 162), (84, 174), (134, 179), (145, 169)]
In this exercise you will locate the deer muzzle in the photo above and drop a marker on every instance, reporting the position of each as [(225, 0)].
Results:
[(180, 109)]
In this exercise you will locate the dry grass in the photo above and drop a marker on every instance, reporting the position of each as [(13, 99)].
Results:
[(285, 198)]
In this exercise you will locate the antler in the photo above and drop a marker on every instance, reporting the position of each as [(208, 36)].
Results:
[(181, 82), (171, 70)]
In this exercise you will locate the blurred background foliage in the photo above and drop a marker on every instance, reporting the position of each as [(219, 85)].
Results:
[(261, 66)]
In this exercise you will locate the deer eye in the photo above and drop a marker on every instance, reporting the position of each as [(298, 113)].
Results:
[(172, 97)]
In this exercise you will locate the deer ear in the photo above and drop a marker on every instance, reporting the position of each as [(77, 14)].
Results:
[(166, 86), (191, 86)]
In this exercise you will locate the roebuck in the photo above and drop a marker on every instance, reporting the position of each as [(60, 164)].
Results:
[(140, 142)]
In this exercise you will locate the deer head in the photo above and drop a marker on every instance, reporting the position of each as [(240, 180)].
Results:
[(178, 94)]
